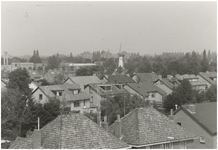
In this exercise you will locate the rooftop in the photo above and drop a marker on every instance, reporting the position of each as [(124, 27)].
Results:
[(120, 79), (74, 131), (144, 126), (206, 115), (145, 77)]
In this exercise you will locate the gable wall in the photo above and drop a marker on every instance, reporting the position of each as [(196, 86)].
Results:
[(35, 95), (190, 125)]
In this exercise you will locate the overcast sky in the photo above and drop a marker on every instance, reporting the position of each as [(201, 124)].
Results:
[(144, 27)]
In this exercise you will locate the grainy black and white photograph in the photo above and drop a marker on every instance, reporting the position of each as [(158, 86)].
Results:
[(109, 74)]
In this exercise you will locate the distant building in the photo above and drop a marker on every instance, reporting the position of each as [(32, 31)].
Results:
[(194, 80), (53, 76), (209, 78), (72, 131), (147, 91), (121, 79), (99, 91), (26, 65), (165, 85), (75, 99), (201, 119), (145, 77), (147, 128), (82, 80)]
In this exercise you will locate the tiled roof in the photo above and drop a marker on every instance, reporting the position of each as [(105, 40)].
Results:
[(22, 143), (85, 79), (208, 75), (146, 87), (206, 115), (67, 93), (74, 131), (167, 83), (144, 77), (197, 83), (113, 91), (35, 74), (144, 126), (120, 79)]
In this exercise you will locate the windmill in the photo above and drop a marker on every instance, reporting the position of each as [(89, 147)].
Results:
[(121, 58)]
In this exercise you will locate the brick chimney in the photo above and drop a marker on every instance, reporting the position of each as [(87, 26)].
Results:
[(192, 108), (117, 129), (37, 139), (105, 123), (171, 114), (99, 118)]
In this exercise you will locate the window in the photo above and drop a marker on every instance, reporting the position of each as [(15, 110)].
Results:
[(179, 123), (183, 145), (90, 91), (106, 88), (75, 92), (91, 100), (84, 103), (119, 86), (202, 139), (76, 104), (40, 96), (60, 93)]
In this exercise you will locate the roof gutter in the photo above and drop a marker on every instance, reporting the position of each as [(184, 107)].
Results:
[(138, 146)]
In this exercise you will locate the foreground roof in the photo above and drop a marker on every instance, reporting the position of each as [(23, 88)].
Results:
[(74, 131), (205, 116), (144, 126)]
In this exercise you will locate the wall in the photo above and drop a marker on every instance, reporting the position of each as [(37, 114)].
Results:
[(35, 95), (96, 97), (189, 124), (81, 107)]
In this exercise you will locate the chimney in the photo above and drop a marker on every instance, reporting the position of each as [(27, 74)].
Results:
[(99, 118), (105, 123), (37, 139), (192, 108), (118, 127), (171, 114)]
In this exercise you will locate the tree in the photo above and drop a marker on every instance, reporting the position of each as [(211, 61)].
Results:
[(14, 113), (204, 62), (20, 79), (122, 105), (144, 66), (211, 94), (53, 62), (183, 94)]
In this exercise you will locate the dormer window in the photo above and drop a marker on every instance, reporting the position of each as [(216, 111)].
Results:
[(119, 86), (106, 87), (76, 92)]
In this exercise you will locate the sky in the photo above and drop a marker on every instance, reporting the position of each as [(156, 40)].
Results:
[(141, 27)]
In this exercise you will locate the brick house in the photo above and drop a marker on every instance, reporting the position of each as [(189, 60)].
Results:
[(147, 128), (201, 119), (72, 131)]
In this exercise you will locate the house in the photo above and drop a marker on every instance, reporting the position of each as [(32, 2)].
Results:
[(100, 91), (76, 100), (33, 86), (82, 80), (3, 84), (35, 75), (194, 80), (201, 119), (147, 128), (147, 91), (209, 78), (145, 77), (71, 131), (120, 79), (53, 76), (164, 85)]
